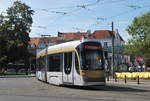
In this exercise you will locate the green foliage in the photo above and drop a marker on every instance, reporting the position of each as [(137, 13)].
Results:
[(16, 66), (3, 43), (140, 32), (20, 20), (15, 27)]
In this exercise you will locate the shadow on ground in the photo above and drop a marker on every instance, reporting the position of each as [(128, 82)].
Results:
[(108, 88)]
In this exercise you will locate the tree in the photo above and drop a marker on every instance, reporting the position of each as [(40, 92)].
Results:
[(19, 19), (3, 57), (3, 44), (140, 32), (15, 27)]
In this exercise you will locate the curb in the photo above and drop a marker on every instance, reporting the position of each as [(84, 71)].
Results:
[(143, 83), (16, 76)]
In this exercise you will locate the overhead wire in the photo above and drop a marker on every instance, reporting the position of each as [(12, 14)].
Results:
[(65, 13), (85, 6), (134, 7), (78, 7), (41, 27)]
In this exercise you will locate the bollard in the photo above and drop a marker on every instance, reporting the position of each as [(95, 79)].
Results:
[(138, 80), (115, 78), (107, 76), (125, 79)]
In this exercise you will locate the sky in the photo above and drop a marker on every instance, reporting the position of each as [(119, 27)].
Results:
[(53, 16)]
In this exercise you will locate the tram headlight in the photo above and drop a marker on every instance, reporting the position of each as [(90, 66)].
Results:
[(83, 72)]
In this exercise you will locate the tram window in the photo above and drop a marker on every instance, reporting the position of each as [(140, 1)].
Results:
[(54, 62), (41, 63), (38, 64), (76, 63), (67, 62)]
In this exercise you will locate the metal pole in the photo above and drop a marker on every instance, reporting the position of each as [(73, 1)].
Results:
[(115, 78), (46, 59), (46, 63), (30, 66), (107, 76), (138, 80), (125, 79), (113, 49)]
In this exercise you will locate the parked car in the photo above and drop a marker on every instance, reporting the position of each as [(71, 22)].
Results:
[(22, 70), (11, 70)]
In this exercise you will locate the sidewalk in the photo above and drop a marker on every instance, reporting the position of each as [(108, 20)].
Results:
[(133, 83), (16, 76)]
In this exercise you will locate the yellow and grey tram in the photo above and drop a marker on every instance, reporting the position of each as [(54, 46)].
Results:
[(78, 63)]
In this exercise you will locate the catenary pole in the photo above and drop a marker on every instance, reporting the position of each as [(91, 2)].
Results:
[(46, 57), (113, 49)]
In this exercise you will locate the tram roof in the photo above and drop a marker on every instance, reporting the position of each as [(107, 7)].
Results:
[(71, 44), (66, 45)]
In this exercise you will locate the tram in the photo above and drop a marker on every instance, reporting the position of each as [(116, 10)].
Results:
[(78, 63)]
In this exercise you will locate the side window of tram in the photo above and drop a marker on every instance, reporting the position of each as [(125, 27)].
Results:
[(67, 62), (54, 62), (38, 64), (41, 63)]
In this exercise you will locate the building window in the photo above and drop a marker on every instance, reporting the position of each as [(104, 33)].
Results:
[(105, 44)]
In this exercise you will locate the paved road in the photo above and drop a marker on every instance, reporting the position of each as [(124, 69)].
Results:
[(30, 89)]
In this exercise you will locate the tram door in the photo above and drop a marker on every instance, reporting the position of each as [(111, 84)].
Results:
[(68, 70)]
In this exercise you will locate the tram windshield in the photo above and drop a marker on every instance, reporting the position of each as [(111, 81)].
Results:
[(91, 57)]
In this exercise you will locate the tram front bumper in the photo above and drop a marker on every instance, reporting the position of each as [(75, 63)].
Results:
[(93, 81)]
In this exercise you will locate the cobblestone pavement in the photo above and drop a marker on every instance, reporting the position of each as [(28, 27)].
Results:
[(30, 89)]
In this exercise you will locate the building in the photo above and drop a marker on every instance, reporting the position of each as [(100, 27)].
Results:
[(105, 37)]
